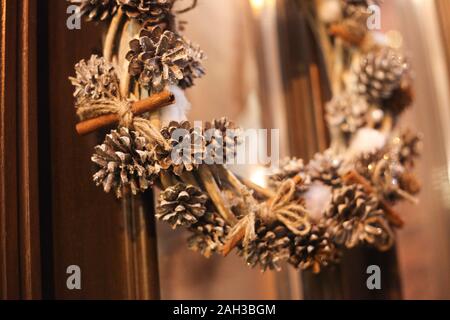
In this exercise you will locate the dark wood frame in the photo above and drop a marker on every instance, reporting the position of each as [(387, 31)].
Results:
[(51, 215), (20, 254)]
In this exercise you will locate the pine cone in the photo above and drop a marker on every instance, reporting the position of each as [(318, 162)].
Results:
[(354, 217), (95, 79), (380, 74), (149, 11), (194, 68), (222, 139), (96, 10), (269, 248), (158, 59), (384, 172), (124, 163), (288, 169), (365, 164), (351, 31), (313, 251), (181, 137), (409, 145), (209, 234), (325, 168), (181, 205), (348, 112), (353, 28)]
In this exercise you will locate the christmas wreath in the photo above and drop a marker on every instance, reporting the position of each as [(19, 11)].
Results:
[(342, 198)]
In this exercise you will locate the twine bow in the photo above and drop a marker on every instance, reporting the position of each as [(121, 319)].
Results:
[(283, 207), (123, 108), (286, 209)]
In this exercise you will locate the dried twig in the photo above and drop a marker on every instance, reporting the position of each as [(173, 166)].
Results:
[(393, 217)]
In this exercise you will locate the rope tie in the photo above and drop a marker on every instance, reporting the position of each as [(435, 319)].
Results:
[(125, 113), (286, 209), (283, 208), (123, 108)]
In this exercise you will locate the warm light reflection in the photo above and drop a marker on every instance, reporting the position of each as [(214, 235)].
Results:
[(257, 5), (259, 176)]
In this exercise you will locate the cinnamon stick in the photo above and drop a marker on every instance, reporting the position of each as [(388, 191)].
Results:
[(154, 102), (393, 217)]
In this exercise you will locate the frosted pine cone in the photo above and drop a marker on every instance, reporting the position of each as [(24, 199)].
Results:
[(188, 144), (96, 9), (95, 79), (380, 74), (348, 112), (269, 248), (288, 169), (382, 172), (409, 146), (366, 163), (194, 68), (157, 58), (325, 168), (313, 251), (209, 234), (222, 139), (354, 217), (181, 205), (124, 163), (149, 11)]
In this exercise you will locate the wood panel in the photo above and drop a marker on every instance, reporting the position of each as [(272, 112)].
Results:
[(28, 202), (112, 241), (20, 256), (9, 255)]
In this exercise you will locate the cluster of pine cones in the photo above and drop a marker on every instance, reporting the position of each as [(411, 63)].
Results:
[(380, 82), (383, 86), (126, 162), (389, 169), (159, 56), (352, 217)]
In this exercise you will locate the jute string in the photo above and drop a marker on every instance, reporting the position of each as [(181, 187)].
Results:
[(123, 108), (284, 207)]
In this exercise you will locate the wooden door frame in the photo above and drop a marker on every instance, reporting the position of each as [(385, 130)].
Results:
[(20, 276)]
